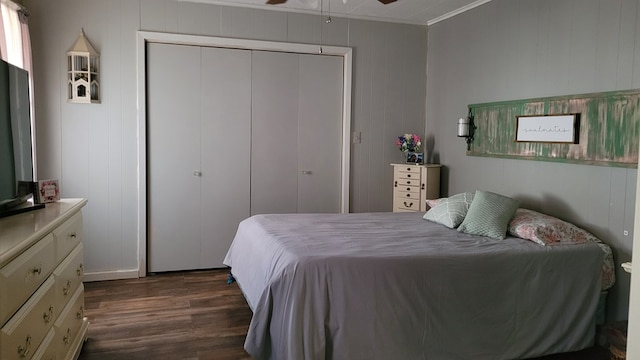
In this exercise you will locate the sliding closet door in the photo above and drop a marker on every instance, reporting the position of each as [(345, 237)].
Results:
[(274, 133), (226, 149), (173, 140), (319, 134), (296, 133), (199, 118)]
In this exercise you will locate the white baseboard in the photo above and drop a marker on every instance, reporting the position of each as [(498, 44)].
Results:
[(111, 275)]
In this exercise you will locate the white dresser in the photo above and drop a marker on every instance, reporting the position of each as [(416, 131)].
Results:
[(413, 185), (41, 291)]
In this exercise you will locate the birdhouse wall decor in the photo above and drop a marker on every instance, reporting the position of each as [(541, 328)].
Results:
[(83, 79)]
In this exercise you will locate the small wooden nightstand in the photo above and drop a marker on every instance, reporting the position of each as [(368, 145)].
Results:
[(413, 185)]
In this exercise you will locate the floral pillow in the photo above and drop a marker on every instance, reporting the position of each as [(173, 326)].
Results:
[(545, 230), (548, 230)]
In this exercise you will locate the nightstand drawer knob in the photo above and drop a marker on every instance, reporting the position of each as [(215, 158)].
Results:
[(408, 205)]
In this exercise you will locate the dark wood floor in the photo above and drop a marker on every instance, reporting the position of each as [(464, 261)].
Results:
[(186, 315)]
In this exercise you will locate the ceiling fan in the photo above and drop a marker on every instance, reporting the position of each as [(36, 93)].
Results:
[(276, 2)]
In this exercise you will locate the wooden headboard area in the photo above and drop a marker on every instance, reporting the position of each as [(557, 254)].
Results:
[(605, 131)]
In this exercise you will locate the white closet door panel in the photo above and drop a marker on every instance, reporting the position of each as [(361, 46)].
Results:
[(173, 131), (274, 133), (320, 134), (226, 149)]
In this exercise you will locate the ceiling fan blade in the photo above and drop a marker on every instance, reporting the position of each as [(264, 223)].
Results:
[(276, 2), (387, 1)]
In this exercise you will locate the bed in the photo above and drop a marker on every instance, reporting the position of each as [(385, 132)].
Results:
[(395, 286)]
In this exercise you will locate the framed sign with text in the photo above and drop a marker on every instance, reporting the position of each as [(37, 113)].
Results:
[(548, 128)]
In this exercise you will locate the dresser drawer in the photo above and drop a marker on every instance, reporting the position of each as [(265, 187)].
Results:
[(407, 188), (406, 182), (68, 276), (404, 195), (409, 169), (22, 276), (67, 236), (69, 323), (405, 204), (24, 332), (47, 349)]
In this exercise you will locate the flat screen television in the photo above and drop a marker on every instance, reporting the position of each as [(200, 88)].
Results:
[(16, 150)]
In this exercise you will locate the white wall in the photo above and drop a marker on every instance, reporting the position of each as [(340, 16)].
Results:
[(519, 49), (92, 148)]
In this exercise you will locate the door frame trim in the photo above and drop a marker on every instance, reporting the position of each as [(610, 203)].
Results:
[(144, 37)]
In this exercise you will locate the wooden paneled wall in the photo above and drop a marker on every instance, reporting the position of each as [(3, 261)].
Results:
[(605, 129), (520, 49), (92, 149)]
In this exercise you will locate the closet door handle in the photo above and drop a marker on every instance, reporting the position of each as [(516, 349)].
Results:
[(197, 173), (306, 172)]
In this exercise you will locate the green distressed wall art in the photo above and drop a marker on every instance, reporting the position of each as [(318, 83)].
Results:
[(597, 129)]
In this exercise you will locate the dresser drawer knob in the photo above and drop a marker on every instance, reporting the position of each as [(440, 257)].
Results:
[(408, 182), (37, 270), (408, 189), (408, 195), (67, 288), (67, 338), (80, 313), (408, 205), (395, 184), (72, 236), (408, 169), (24, 351), (47, 316), (80, 270), (408, 175)]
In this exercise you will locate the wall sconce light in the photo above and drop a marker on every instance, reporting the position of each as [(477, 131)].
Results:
[(83, 78), (466, 129)]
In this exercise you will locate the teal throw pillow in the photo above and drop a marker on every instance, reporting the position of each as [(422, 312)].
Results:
[(450, 211), (489, 215)]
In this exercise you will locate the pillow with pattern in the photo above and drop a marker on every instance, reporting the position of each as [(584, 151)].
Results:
[(545, 229), (489, 215), (449, 211), (548, 230)]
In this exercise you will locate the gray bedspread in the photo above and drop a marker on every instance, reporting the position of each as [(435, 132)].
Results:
[(395, 286)]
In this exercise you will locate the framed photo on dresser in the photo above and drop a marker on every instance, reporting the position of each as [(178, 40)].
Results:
[(415, 158)]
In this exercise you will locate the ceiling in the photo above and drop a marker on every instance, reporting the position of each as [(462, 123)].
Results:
[(422, 12)]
